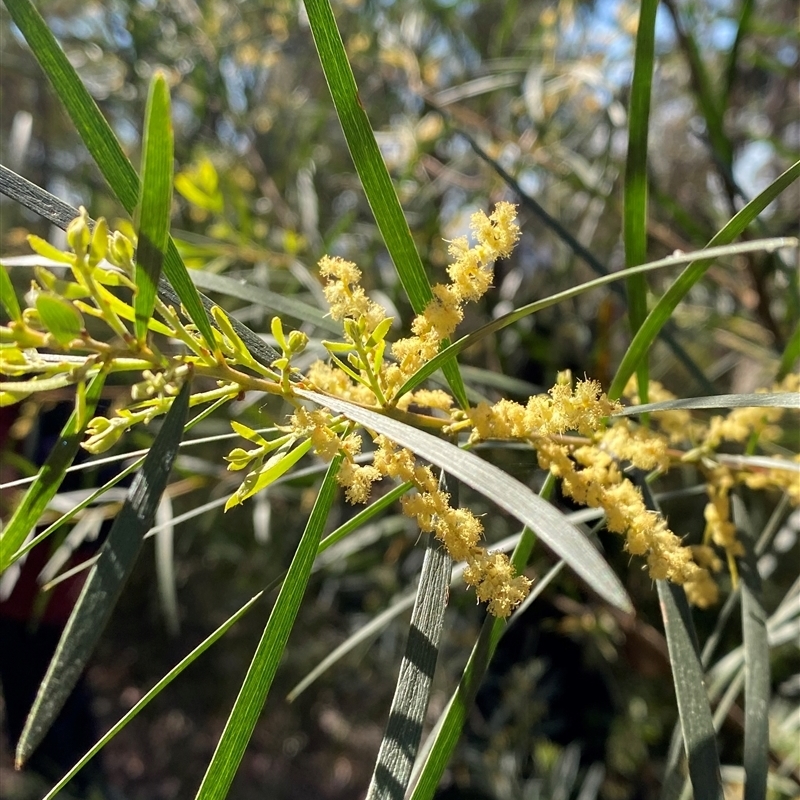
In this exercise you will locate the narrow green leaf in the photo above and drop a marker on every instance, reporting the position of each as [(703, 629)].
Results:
[(754, 400), (697, 726), (257, 682), (407, 714), (155, 204), (60, 317), (96, 134), (106, 579), (756, 666), (550, 525), (663, 309), (634, 218), (8, 296), (150, 695), (451, 723), (504, 321), (50, 476), (371, 168)]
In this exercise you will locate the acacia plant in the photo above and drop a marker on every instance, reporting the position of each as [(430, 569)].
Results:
[(122, 303)]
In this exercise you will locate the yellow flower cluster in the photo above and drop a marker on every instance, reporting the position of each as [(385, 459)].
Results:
[(336, 382), (744, 424), (321, 428), (592, 477), (471, 276), (458, 529), (719, 528), (345, 295), (783, 479), (562, 409)]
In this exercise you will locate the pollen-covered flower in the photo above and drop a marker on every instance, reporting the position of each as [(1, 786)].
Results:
[(345, 295), (471, 273), (357, 480), (561, 410), (458, 529)]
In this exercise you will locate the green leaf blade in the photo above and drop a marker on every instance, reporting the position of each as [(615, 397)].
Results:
[(697, 725), (155, 202), (8, 296), (663, 309), (372, 170), (635, 193), (253, 693), (106, 579), (49, 478), (60, 317), (407, 714), (757, 677)]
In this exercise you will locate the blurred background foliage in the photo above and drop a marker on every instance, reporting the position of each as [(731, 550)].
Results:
[(463, 95)]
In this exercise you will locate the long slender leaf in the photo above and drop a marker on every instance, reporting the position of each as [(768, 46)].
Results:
[(404, 727), (756, 665), (514, 497), (697, 726), (49, 478), (150, 695), (8, 297), (257, 682), (371, 168), (538, 305), (754, 400), (105, 581), (663, 309), (451, 723), (634, 216), (100, 141), (155, 205)]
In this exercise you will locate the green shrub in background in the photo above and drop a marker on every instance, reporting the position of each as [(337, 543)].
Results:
[(186, 352)]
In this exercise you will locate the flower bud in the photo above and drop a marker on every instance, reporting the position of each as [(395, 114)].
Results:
[(297, 342), (78, 234), (103, 434), (122, 251)]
